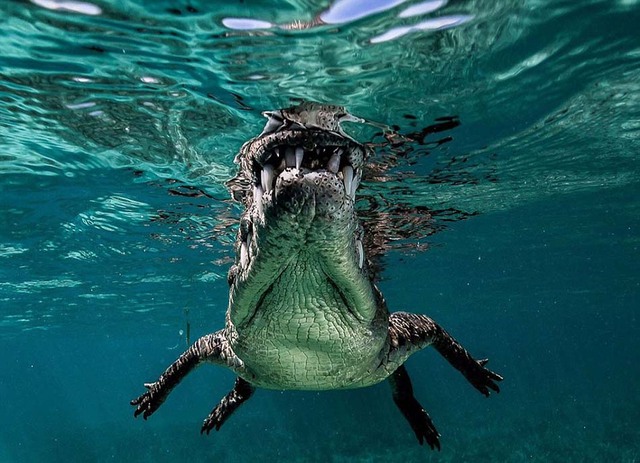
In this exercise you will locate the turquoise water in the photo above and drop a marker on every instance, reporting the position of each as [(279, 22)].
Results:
[(516, 227)]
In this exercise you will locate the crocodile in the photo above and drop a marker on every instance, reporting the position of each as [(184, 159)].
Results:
[(304, 311)]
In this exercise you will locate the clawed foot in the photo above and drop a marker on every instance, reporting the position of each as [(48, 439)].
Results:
[(415, 414), (148, 402), (422, 425), (215, 419), (482, 378), (241, 392)]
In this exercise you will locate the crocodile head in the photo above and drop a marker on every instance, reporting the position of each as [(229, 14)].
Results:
[(300, 241)]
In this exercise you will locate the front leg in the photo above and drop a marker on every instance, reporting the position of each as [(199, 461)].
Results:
[(241, 392), (410, 332), (212, 347), (417, 417)]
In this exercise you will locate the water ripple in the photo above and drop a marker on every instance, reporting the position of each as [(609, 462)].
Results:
[(120, 121)]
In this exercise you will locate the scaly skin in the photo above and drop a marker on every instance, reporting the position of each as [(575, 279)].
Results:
[(304, 312)]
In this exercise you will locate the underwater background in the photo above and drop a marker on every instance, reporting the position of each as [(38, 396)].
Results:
[(506, 179)]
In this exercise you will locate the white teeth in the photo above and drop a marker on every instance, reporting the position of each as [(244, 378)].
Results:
[(244, 255), (267, 177), (354, 186), (347, 178), (360, 252), (334, 163), (299, 156), (290, 157), (257, 197), (257, 193)]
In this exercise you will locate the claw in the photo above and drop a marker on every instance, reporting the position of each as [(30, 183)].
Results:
[(208, 425), (483, 378), (436, 444)]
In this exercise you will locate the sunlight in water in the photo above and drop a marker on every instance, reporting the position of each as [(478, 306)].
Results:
[(71, 6)]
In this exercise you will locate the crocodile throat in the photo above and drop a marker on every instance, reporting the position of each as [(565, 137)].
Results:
[(299, 194)]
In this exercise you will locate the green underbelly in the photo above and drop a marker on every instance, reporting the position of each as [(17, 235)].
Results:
[(304, 336)]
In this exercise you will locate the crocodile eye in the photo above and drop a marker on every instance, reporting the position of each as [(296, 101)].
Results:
[(274, 123)]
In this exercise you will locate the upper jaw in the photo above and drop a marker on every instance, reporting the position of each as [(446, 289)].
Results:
[(302, 151)]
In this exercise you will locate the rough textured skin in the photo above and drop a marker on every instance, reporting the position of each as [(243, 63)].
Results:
[(304, 312)]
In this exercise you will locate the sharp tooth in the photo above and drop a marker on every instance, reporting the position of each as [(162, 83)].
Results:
[(244, 255), (354, 186), (290, 157), (267, 178), (360, 252), (257, 196), (257, 192), (334, 162), (299, 156), (347, 178)]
